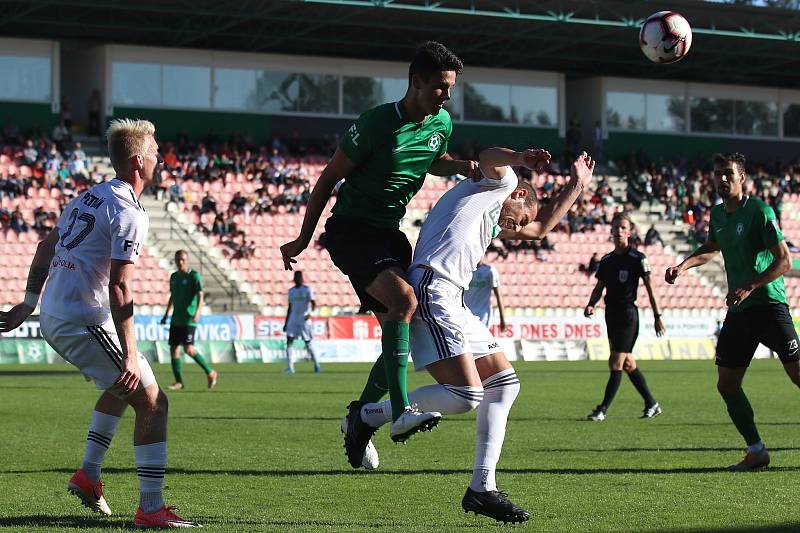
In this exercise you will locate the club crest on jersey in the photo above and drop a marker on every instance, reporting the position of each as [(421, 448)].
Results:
[(435, 141), (739, 228), (623, 276)]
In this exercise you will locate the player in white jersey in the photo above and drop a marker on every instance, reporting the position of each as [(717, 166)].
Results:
[(478, 297), (297, 324), (450, 342), (87, 317)]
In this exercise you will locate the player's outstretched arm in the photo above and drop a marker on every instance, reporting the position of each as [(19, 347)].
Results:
[(547, 218), (120, 298), (701, 256), (447, 166), (493, 161), (37, 275), (338, 168)]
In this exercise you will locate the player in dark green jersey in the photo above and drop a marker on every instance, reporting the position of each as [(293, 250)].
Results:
[(383, 159), (756, 257), (186, 297)]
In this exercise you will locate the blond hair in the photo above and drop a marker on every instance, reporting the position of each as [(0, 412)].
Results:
[(127, 138)]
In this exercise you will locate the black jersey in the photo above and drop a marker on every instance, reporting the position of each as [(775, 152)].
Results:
[(620, 274)]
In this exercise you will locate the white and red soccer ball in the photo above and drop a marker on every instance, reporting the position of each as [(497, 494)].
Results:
[(665, 37)]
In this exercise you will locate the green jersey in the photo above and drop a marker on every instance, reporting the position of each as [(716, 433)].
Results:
[(392, 155), (184, 288), (745, 237)]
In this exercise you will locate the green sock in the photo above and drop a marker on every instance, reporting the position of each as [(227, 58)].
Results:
[(741, 414), (177, 365), (202, 362), (376, 386), (395, 359)]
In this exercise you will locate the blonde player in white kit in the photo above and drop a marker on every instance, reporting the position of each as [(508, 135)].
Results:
[(478, 297), (450, 342), (86, 315), (297, 324)]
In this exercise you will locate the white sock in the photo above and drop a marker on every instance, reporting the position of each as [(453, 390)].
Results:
[(500, 391), (311, 353), (151, 465), (445, 399), (756, 448), (101, 431)]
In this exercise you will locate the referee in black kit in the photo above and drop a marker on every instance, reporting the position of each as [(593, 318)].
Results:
[(619, 274)]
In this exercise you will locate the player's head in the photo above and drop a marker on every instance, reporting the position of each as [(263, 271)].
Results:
[(182, 260), (520, 208), (729, 174), (431, 76), (298, 278), (133, 148), (621, 228)]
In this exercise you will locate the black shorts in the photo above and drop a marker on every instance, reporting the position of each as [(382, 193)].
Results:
[(181, 335), (741, 333), (362, 252), (622, 324)]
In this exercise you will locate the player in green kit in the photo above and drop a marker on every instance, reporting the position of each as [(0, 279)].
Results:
[(756, 257), (383, 159), (186, 297)]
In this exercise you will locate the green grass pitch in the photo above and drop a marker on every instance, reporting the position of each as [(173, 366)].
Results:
[(263, 452)]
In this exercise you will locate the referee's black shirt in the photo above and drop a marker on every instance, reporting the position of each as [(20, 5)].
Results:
[(620, 274)]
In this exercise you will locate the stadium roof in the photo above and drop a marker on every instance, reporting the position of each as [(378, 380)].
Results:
[(733, 43)]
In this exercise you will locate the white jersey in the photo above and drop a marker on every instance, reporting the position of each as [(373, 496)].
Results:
[(300, 300), (478, 298), (461, 226), (104, 223)]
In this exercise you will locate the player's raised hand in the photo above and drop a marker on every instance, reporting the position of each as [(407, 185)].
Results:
[(588, 311), (471, 169), (15, 316), (672, 274), (535, 158), (582, 169), (290, 250)]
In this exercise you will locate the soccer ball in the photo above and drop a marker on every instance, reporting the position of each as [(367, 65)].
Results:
[(665, 37)]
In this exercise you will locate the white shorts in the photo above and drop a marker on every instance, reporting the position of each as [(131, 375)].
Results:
[(95, 350), (442, 326), (299, 329)]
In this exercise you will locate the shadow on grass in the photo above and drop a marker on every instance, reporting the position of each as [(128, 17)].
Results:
[(414, 472), (658, 449), (75, 521)]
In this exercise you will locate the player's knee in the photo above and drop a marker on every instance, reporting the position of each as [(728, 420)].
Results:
[(161, 404), (727, 389), (465, 398), (403, 304)]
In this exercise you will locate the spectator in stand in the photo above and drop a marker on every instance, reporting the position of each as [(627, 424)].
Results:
[(597, 141), (176, 194), (171, 158), (77, 167), (237, 203), (653, 236), (30, 154), (60, 134), (208, 204), (41, 221), (591, 267), (17, 223), (220, 226), (94, 113), (202, 158)]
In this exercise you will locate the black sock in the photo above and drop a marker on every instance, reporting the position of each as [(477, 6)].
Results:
[(614, 379), (637, 378)]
